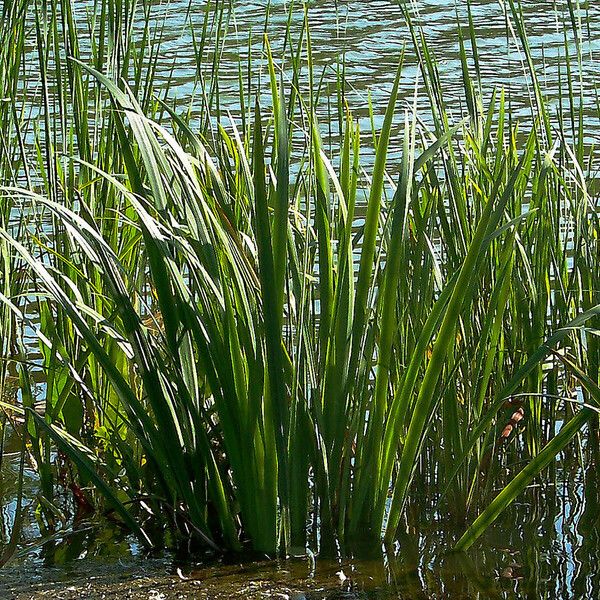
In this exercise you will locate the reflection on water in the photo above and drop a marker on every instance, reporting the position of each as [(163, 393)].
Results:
[(544, 546)]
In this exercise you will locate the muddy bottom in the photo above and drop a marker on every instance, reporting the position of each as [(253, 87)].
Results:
[(154, 580)]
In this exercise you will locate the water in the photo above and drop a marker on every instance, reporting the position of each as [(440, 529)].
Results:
[(545, 545), (371, 36)]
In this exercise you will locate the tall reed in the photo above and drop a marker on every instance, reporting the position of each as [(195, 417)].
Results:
[(230, 352)]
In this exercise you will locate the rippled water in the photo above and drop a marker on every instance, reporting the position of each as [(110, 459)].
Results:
[(369, 36)]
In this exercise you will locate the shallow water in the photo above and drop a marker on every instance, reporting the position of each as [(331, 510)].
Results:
[(369, 37), (544, 546)]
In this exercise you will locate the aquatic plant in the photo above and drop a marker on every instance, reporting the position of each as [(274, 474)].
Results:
[(237, 348)]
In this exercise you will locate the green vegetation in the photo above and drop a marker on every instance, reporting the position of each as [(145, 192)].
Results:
[(233, 342)]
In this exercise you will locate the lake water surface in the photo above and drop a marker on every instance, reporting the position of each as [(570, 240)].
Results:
[(370, 36)]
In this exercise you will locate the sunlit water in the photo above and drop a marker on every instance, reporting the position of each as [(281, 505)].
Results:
[(369, 37), (546, 545)]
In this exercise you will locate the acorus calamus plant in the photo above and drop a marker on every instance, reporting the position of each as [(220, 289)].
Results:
[(246, 339)]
